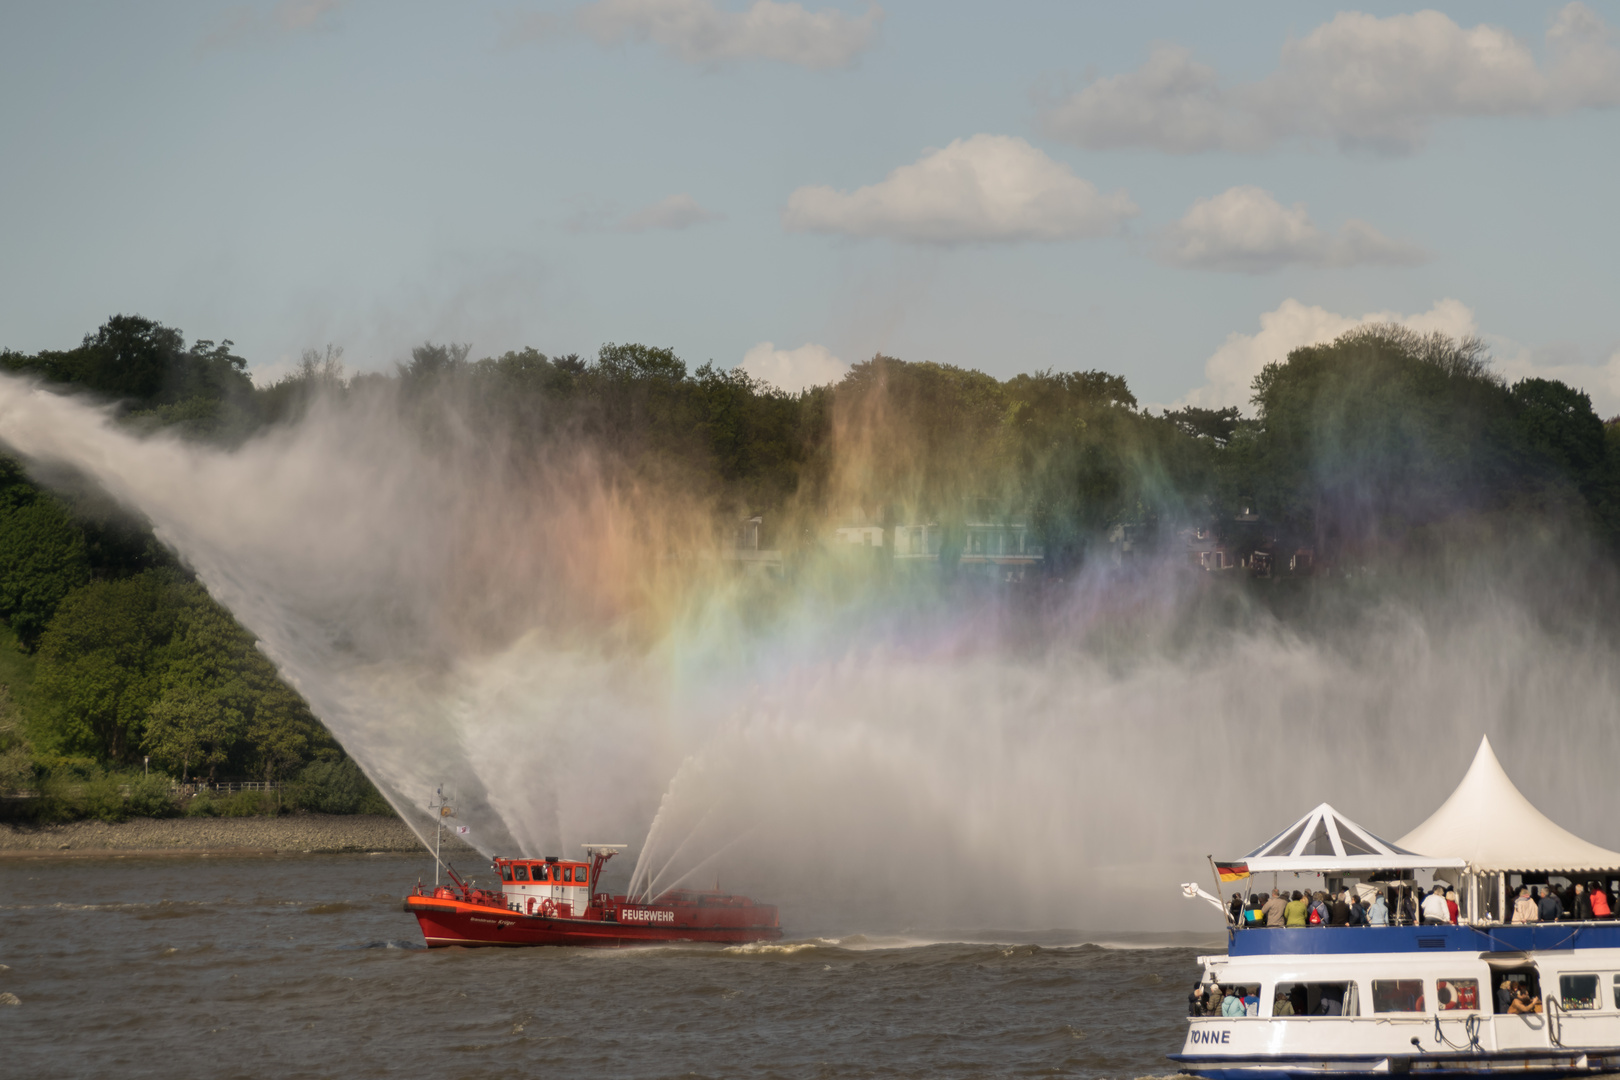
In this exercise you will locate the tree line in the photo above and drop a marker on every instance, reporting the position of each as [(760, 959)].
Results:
[(1376, 445)]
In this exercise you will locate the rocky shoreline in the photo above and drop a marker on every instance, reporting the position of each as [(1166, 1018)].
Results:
[(291, 834)]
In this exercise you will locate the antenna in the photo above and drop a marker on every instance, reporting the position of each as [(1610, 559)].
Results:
[(440, 804)]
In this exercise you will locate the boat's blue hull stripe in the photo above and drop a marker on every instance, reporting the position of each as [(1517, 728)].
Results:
[(1542, 1063), (1323, 940), (1259, 1072)]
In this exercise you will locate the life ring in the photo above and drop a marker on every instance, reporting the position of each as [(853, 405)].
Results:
[(548, 908)]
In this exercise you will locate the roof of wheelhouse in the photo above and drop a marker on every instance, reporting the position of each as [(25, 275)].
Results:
[(1489, 823)]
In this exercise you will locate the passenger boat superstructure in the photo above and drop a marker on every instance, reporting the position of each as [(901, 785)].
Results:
[(552, 901), (1414, 999), (1428, 999)]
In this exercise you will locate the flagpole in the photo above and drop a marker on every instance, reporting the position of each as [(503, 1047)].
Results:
[(1224, 909)]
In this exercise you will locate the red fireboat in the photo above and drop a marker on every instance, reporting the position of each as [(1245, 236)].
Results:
[(549, 902)]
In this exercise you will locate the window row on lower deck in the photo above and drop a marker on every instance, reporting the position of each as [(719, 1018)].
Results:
[(1417, 996)]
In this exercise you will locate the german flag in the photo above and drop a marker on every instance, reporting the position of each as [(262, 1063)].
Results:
[(1231, 871)]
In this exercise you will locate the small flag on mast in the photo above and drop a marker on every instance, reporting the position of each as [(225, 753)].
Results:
[(1231, 871), (463, 830)]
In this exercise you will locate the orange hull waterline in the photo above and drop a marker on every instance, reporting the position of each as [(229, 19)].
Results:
[(551, 902)]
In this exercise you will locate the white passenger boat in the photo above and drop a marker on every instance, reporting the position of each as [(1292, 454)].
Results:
[(1427, 999)]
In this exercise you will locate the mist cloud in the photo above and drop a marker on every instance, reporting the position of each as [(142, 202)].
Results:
[(568, 656)]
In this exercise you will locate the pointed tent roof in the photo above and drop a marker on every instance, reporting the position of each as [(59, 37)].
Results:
[(1491, 824), (1326, 840)]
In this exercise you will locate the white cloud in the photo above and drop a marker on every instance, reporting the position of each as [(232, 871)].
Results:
[(1359, 80), (697, 32), (982, 189), (673, 212), (1231, 370), (1246, 229), (793, 370), (1171, 103)]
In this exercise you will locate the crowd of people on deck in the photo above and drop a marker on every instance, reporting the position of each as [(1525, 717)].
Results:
[(1216, 1000), (1212, 999), (1576, 902), (1403, 905)]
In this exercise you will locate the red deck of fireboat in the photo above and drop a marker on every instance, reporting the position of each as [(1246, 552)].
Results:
[(551, 902)]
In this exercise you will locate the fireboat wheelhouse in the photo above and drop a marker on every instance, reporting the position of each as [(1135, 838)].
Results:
[(551, 901), (1431, 999)]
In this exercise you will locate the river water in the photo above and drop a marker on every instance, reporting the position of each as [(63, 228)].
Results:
[(306, 966)]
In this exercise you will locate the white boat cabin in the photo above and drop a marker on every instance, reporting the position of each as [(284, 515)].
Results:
[(1423, 1001), (545, 886)]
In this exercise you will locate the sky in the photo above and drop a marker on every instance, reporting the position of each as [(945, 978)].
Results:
[(1174, 192)]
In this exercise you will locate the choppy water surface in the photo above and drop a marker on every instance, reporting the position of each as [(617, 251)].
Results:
[(307, 967)]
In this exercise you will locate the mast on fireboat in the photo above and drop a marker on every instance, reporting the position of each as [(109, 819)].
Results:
[(441, 804)]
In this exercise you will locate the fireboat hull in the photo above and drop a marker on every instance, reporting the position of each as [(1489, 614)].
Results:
[(447, 922)]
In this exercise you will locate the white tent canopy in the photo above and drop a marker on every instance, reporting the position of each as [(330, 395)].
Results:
[(1324, 840), (1495, 828)]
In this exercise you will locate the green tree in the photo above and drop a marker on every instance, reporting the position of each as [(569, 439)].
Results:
[(42, 560), (1379, 433), (16, 756), (228, 700), (431, 362), (282, 734), (190, 727), (631, 362), (1559, 424), (101, 664), (1216, 425), (128, 357)]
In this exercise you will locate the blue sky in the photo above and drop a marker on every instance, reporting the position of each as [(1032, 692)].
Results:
[(1173, 192)]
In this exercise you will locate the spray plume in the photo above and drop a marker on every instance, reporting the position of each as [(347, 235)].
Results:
[(558, 641)]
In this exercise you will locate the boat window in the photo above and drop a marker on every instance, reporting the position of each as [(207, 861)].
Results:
[(568, 873), (540, 872), (1578, 991), (1617, 991), (1319, 998), (1457, 994), (520, 872), (580, 876), (506, 871), (1511, 981), (1397, 995)]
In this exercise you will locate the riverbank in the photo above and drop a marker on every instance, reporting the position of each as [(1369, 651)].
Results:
[(291, 833)]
